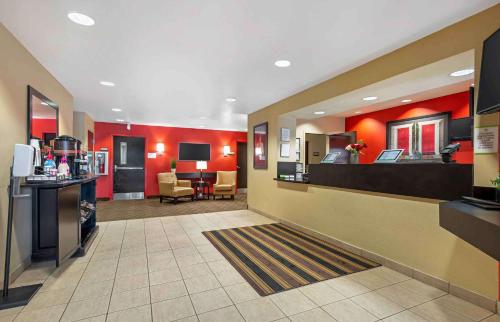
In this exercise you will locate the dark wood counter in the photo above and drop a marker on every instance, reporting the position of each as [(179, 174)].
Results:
[(479, 227), (425, 180)]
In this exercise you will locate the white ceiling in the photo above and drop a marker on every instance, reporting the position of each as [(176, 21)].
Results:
[(174, 62), (420, 84)]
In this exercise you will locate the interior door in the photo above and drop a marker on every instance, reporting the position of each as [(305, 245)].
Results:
[(241, 166), (128, 167), (338, 142)]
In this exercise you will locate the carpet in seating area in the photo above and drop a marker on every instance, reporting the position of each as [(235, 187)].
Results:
[(275, 258), (147, 208)]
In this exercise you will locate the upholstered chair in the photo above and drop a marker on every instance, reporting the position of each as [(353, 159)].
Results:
[(172, 188), (225, 184)]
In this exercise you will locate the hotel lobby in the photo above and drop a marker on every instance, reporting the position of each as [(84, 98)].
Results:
[(250, 161)]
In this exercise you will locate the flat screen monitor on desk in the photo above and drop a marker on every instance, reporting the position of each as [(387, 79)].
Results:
[(389, 156)]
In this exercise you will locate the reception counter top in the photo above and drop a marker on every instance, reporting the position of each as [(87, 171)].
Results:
[(424, 180), (60, 184)]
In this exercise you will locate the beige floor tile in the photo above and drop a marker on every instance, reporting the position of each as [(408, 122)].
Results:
[(348, 311), (465, 308), (133, 251), (259, 310), (85, 309), (50, 298), (100, 318), (167, 291), (128, 283), (87, 291), (377, 305), (314, 315), (321, 294), (129, 299), (402, 296), (229, 277), (172, 310), (210, 300), (49, 314), (292, 302), (422, 289), (189, 260), (390, 274), (165, 276), (111, 254), (212, 256), (347, 287), (492, 318), (12, 311), (136, 314), (187, 251), (220, 266), (195, 270), (405, 316), (201, 283), (434, 312), (241, 292), (229, 314), (133, 265), (370, 279)]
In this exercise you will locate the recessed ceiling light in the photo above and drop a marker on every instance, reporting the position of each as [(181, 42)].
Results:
[(282, 63), (370, 98), (406, 100), (357, 112), (106, 83), (120, 120), (231, 99), (81, 19), (201, 125), (116, 109), (462, 72), (319, 112), (43, 103)]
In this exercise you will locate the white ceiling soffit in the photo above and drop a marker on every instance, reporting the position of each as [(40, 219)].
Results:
[(175, 62), (420, 84)]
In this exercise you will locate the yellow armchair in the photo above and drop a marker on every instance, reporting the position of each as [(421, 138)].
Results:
[(225, 184), (172, 188)]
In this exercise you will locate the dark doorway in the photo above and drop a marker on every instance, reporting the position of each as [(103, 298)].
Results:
[(241, 165), (338, 142), (128, 167)]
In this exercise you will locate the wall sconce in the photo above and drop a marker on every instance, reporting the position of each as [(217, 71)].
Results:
[(227, 150), (160, 148)]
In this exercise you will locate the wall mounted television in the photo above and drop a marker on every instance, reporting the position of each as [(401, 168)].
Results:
[(488, 100), (194, 152)]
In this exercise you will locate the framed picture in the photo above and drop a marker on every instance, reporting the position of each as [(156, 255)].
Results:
[(260, 137), (285, 150), (285, 134), (297, 149)]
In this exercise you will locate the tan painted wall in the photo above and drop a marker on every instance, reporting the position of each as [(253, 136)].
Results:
[(317, 147), (401, 229), (18, 69), (82, 123)]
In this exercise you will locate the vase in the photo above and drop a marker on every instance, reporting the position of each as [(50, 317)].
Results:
[(354, 158), (173, 171)]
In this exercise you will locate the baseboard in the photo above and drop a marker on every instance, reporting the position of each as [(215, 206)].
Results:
[(103, 199), (16, 272), (446, 286), (153, 197)]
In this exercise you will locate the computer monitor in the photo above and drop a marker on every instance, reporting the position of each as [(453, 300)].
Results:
[(389, 156)]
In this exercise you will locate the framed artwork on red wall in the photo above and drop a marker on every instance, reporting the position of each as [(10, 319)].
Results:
[(424, 136), (260, 136)]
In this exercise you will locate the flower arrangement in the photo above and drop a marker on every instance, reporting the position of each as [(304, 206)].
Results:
[(355, 148), (173, 165), (496, 182)]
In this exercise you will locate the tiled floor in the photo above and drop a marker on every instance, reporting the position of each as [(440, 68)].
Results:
[(163, 269)]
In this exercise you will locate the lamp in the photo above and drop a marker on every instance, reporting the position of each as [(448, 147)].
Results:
[(160, 148), (201, 165), (227, 150)]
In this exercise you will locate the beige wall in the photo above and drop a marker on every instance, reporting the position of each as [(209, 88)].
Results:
[(402, 229), (82, 123), (18, 69)]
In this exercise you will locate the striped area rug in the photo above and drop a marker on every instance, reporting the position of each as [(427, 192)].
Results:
[(275, 258)]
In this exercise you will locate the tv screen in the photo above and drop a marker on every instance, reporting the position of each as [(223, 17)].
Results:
[(488, 100), (461, 129), (194, 152)]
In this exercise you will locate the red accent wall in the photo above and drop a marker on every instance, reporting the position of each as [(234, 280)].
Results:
[(371, 127), (171, 137), (40, 126)]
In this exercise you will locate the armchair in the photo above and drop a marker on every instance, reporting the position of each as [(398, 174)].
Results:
[(170, 187), (225, 184)]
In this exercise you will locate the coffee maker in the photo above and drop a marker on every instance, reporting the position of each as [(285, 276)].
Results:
[(70, 147)]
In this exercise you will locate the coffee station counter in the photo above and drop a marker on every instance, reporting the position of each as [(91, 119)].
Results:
[(64, 217)]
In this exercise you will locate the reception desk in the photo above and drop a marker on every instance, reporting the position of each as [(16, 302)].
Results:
[(425, 180)]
